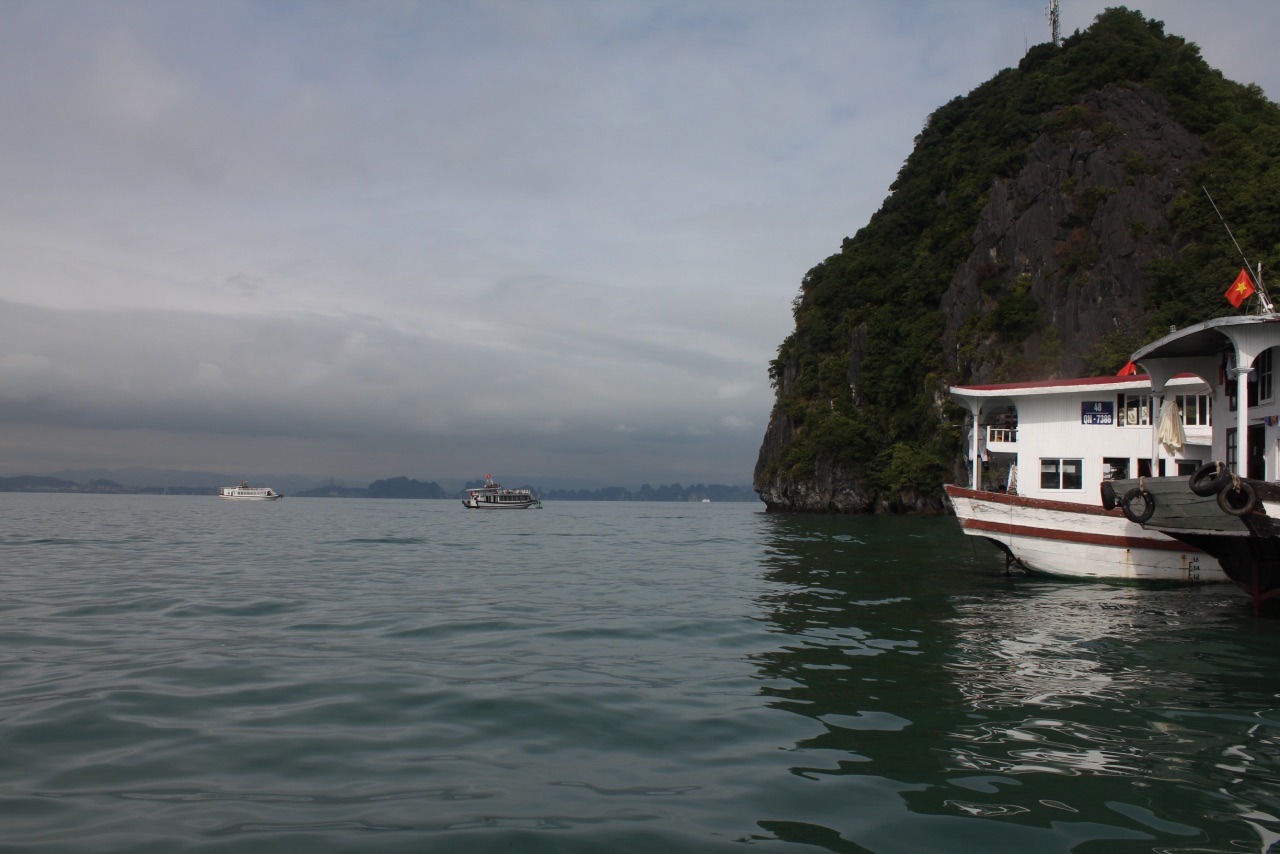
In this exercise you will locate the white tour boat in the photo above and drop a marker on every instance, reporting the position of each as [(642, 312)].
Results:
[(493, 496), (245, 492), (1048, 445)]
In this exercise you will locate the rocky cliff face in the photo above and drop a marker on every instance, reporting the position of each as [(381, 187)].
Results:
[(1068, 238), (1077, 227)]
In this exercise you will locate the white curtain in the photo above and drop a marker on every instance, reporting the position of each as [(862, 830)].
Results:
[(1171, 434)]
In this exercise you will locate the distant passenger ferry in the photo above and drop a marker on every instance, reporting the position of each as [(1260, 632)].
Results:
[(245, 492), (492, 496)]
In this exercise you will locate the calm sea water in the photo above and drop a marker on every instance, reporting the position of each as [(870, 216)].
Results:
[(184, 674)]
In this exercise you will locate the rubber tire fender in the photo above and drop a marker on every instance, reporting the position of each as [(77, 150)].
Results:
[(1228, 504), (1203, 484), (1149, 505), (1108, 495)]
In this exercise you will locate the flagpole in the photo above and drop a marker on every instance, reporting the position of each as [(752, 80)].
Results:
[(1262, 293), (1265, 300)]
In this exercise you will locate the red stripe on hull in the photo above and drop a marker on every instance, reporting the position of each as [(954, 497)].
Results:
[(1076, 536)]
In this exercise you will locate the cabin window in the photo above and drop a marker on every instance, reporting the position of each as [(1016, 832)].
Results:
[(1187, 468), (1151, 468), (1061, 474), (1115, 468), (1231, 448), (1133, 410), (1196, 410), (1263, 365)]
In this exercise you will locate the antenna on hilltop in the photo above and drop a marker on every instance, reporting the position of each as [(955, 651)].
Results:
[(1054, 23)]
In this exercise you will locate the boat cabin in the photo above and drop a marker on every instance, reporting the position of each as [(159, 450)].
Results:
[(1058, 439)]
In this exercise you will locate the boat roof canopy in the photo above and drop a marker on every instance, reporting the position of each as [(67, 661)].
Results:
[(1049, 386), (986, 398), (1205, 339), (1199, 348)]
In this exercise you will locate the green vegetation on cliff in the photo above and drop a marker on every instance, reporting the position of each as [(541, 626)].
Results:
[(861, 381)]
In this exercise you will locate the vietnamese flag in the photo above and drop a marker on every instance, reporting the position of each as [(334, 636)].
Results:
[(1241, 289), (1129, 370)]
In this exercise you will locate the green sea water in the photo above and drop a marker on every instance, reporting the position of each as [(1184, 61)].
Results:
[(183, 674)]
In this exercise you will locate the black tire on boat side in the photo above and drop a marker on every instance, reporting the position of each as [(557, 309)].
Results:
[(1210, 479), (1148, 505), (1108, 495), (1237, 500)]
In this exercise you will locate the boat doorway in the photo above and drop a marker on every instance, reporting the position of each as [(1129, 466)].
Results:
[(1256, 461)]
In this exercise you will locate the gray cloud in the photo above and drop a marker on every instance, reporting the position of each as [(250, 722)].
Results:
[(361, 379)]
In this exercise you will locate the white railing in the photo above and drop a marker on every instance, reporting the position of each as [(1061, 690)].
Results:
[(1001, 435)]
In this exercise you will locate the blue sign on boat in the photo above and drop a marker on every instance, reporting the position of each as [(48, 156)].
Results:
[(1098, 412)]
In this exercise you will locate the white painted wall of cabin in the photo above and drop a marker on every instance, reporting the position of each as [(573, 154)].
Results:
[(1049, 426)]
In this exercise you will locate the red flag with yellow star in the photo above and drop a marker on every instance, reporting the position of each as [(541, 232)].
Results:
[(1241, 289)]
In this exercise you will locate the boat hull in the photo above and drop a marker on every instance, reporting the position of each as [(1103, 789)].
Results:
[(251, 497), (474, 504), (1069, 540)]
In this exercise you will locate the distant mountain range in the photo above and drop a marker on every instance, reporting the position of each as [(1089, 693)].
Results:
[(674, 492), (138, 477), (142, 481)]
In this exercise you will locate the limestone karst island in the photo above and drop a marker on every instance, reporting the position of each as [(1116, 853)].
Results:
[(1047, 224)]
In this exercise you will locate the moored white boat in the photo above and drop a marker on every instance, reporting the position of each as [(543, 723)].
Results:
[(1076, 540), (493, 496), (1050, 444), (245, 492)]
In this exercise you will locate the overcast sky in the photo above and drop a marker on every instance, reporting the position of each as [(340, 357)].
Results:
[(555, 240)]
